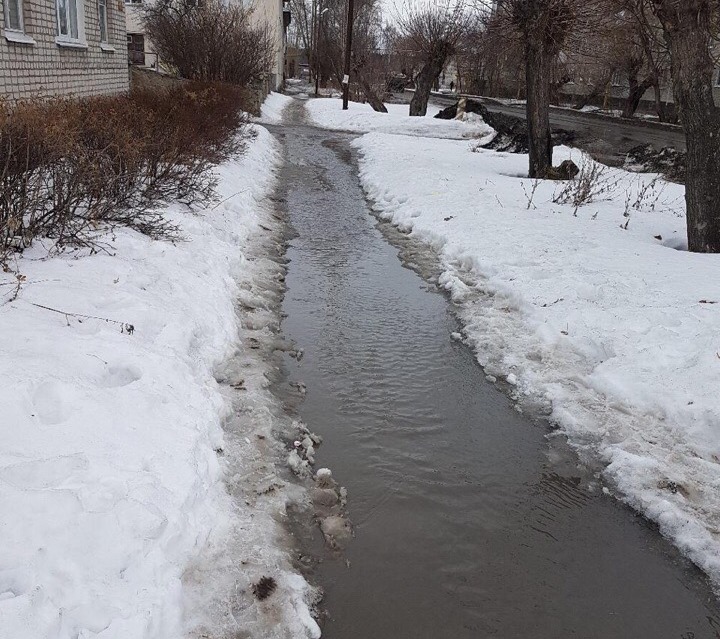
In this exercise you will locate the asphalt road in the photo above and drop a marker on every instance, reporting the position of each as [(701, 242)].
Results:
[(606, 138)]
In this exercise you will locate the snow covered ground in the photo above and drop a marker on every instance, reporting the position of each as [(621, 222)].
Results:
[(271, 111), (360, 118), (591, 313), (139, 487)]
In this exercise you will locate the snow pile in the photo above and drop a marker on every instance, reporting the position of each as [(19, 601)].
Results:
[(272, 109), (360, 118), (590, 312), (112, 499)]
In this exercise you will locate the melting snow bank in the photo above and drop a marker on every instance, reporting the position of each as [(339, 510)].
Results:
[(360, 118), (140, 495), (590, 313), (272, 109)]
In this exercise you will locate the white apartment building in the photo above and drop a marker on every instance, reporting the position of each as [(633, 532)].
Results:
[(274, 14)]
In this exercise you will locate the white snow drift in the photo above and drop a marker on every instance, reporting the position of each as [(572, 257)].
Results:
[(360, 118), (114, 510), (591, 313), (272, 109)]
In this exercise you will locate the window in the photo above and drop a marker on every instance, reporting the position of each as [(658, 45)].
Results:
[(133, 1), (136, 48), (67, 19), (13, 15), (70, 23), (14, 25), (102, 17)]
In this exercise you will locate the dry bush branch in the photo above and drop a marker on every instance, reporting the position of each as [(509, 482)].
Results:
[(595, 182), (72, 170), (212, 41)]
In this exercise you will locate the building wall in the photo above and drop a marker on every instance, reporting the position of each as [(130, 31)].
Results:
[(134, 25), (42, 67), (270, 13)]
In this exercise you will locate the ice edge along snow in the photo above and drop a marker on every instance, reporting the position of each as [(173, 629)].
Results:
[(600, 324), (127, 512)]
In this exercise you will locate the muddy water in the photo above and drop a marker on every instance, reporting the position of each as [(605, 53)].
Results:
[(469, 521)]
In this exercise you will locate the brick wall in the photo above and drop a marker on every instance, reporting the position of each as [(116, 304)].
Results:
[(46, 68)]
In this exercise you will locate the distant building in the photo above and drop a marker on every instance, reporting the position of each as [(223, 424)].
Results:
[(62, 47), (272, 14), (139, 48), (275, 14), (297, 64)]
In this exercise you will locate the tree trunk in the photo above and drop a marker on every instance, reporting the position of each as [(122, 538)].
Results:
[(659, 106), (596, 91), (687, 30), (637, 91), (373, 100), (664, 110), (423, 86), (538, 70)]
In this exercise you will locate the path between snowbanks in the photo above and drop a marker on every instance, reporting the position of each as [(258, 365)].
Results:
[(592, 315), (116, 510)]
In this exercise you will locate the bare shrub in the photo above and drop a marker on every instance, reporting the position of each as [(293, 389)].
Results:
[(595, 182), (212, 41), (72, 170), (531, 194), (647, 197)]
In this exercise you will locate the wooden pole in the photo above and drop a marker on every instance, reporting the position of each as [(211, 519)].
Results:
[(313, 39), (348, 51), (318, 14)]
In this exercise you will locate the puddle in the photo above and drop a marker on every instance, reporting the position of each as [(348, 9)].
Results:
[(470, 519)]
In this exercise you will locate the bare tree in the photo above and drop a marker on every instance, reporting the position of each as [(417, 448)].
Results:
[(433, 30), (210, 40), (500, 49), (323, 29), (546, 29), (544, 26), (647, 39), (404, 58), (691, 29), (369, 57), (301, 27)]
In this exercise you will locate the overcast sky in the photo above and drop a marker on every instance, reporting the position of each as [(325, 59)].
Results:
[(392, 8)]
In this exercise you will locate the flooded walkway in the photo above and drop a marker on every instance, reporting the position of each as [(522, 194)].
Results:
[(469, 522)]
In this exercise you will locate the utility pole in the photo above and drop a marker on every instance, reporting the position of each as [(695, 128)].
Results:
[(313, 39), (316, 28), (348, 51)]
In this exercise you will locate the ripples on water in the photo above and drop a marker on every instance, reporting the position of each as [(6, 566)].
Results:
[(464, 528)]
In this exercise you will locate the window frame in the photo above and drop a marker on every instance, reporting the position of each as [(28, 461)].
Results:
[(6, 17), (13, 34), (67, 39), (131, 50), (103, 22)]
